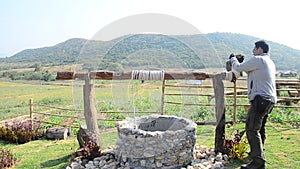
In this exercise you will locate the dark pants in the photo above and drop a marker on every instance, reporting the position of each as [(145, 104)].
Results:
[(255, 126)]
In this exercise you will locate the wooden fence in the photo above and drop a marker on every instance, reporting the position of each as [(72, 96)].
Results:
[(33, 114), (217, 87), (234, 92)]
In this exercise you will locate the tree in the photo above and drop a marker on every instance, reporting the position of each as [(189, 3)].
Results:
[(37, 66)]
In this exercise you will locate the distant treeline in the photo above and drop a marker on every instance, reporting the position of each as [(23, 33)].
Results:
[(45, 76)]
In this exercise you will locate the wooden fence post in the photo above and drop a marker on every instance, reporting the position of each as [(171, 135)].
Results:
[(31, 108), (90, 112), (31, 112), (234, 102), (220, 111), (163, 97)]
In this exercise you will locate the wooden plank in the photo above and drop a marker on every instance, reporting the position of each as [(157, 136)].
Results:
[(185, 75), (57, 115), (211, 123), (241, 92), (191, 86), (190, 104), (59, 108), (293, 93), (108, 75), (63, 125), (65, 75), (188, 94), (281, 106), (286, 89)]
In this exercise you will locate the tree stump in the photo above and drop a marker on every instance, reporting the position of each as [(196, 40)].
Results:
[(58, 133), (84, 136)]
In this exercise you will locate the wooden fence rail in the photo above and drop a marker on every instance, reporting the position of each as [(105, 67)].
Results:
[(32, 112), (228, 94)]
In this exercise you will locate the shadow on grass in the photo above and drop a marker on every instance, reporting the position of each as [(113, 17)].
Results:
[(56, 162), (236, 164)]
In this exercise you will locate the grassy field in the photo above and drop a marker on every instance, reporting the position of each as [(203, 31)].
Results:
[(281, 148), (282, 144)]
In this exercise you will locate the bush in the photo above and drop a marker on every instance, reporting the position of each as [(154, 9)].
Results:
[(6, 159), (21, 131), (236, 147), (286, 115), (46, 76), (200, 114)]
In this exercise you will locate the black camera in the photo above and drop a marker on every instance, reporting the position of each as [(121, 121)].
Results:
[(239, 57)]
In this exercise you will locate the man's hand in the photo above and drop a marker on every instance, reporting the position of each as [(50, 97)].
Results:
[(231, 56), (239, 57), (228, 65)]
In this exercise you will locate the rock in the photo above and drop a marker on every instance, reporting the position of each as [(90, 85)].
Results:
[(102, 163), (190, 167), (219, 157), (75, 165), (158, 164), (225, 157), (143, 163), (108, 160), (218, 165)]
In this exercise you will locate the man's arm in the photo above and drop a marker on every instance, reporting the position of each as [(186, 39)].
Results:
[(246, 66)]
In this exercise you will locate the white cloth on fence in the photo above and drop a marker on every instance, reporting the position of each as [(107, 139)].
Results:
[(147, 75)]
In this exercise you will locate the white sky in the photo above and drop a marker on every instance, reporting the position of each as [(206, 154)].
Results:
[(28, 24)]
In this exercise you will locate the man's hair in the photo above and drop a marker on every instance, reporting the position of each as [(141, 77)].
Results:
[(263, 45)]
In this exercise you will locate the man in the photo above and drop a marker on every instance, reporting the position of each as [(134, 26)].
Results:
[(262, 96)]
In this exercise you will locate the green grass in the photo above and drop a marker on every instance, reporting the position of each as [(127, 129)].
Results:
[(282, 148), (14, 100), (42, 153), (50, 154)]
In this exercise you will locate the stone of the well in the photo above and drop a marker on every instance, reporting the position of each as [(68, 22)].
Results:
[(157, 141)]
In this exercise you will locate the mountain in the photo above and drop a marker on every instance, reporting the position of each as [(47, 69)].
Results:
[(62, 53), (154, 51)]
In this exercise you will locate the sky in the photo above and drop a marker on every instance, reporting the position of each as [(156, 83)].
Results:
[(28, 24)]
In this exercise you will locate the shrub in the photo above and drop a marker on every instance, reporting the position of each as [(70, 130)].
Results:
[(236, 147), (21, 131), (285, 116), (6, 159), (200, 114)]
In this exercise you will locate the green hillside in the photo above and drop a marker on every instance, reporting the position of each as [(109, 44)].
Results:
[(151, 51)]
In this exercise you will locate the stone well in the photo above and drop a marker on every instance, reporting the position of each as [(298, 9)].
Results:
[(155, 141)]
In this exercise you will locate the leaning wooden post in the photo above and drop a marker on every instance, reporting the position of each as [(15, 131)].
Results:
[(220, 111), (90, 112)]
